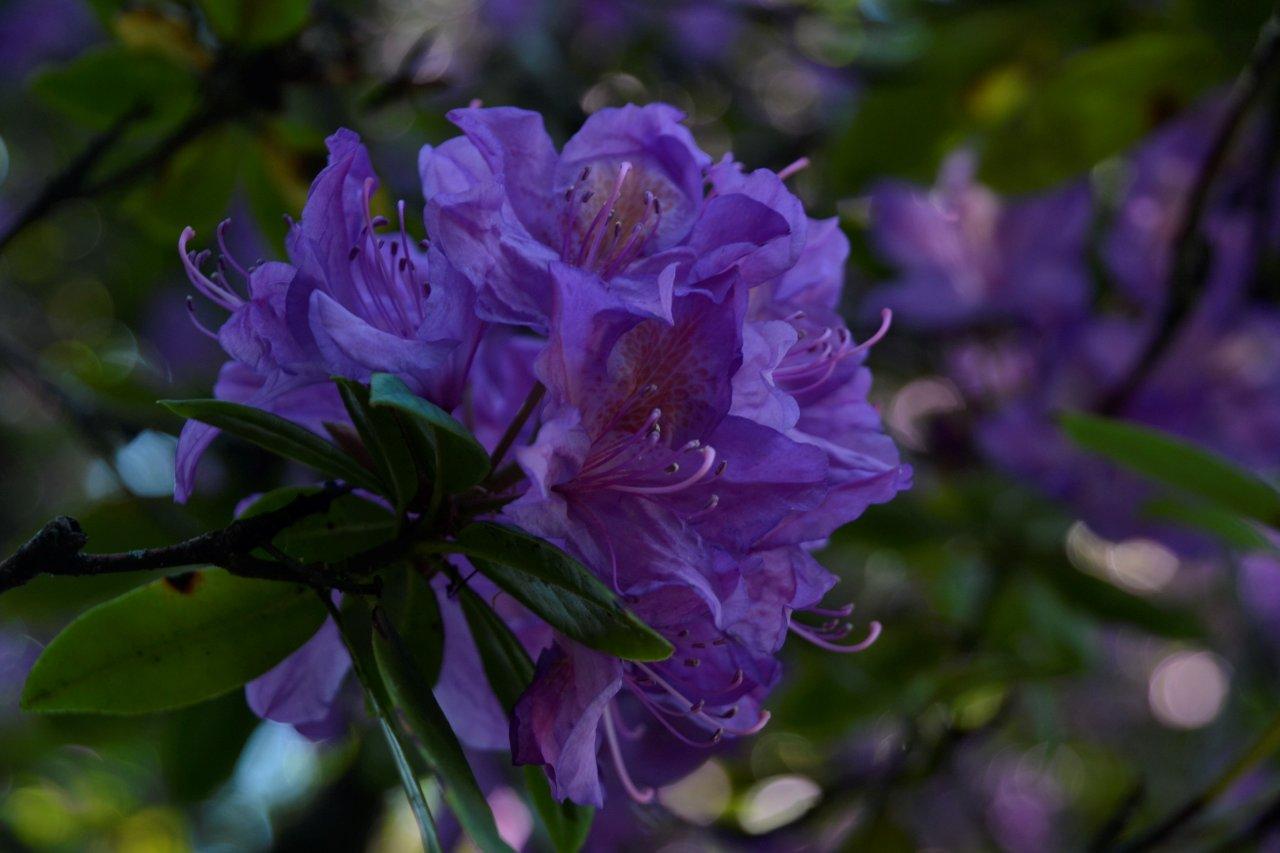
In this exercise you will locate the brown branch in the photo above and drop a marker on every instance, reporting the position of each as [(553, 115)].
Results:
[(57, 549), (1190, 256), (69, 183), (517, 423)]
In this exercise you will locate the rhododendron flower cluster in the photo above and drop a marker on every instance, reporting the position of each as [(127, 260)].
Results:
[(648, 342), (1010, 281)]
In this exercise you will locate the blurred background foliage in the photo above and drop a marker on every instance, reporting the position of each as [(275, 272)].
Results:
[(1034, 683)]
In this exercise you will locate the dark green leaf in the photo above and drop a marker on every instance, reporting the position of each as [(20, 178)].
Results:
[(1178, 463), (427, 830), (103, 85), (380, 432), (255, 23), (561, 590), (277, 435), (1097, 103), (412, 606), (201, 745), (506, 663), (1106, 602), (167, 644), (1228, 527), (419, 718), (466, 463), (356, 627), (509, 670), (350, 525)]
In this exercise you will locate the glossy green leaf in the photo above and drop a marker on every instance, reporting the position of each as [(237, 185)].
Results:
[(172, 643), (277, 435), (466, 462), (1177, 463), (419, 718), (412, 606), (510, 671), (561, 590), (355, 624), (380, 432), (349, 526), (255, 23)]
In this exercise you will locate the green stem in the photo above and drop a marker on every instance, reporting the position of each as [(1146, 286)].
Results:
[(517, 423)]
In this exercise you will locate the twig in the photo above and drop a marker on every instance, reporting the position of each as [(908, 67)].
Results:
[(68, 183), (517, 423), (1258, 828), (1114, 825), (1266, 744), (1189, 255), (57, 548), (102, 435)]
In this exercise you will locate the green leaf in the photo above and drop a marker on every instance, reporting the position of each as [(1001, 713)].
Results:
[(510, 671), (420, 719), (466, 463), (1097, 103), (350, 525), (171, 643), (1106, 602), (1177, 463), (356, 627), (103, 85), (1228, 527), (201, 745), (193, 185), (380, 432), (255, 23), (277, 435), (561, 590), (413, 608), (506, 663)]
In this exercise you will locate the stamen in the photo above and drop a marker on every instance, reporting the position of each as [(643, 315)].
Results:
[(836, 612), (226, 253), (640, 795), (886, 319), (191, 263), (712, 503), (666, 724), (628, 733), (195, 321), (708, 459), (798, 165), (820, 642)]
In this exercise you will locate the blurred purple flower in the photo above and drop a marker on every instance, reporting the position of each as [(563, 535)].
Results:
[(1014, 277), (967, 256), (37, 31)]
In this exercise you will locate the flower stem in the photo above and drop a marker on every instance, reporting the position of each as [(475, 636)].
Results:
[(517, 423)]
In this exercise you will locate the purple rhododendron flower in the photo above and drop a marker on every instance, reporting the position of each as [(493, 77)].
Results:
[(351, 302), (621, 208), (705, 424)]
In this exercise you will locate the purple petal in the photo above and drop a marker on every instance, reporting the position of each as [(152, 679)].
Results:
[(557, 720), (302, 688)]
